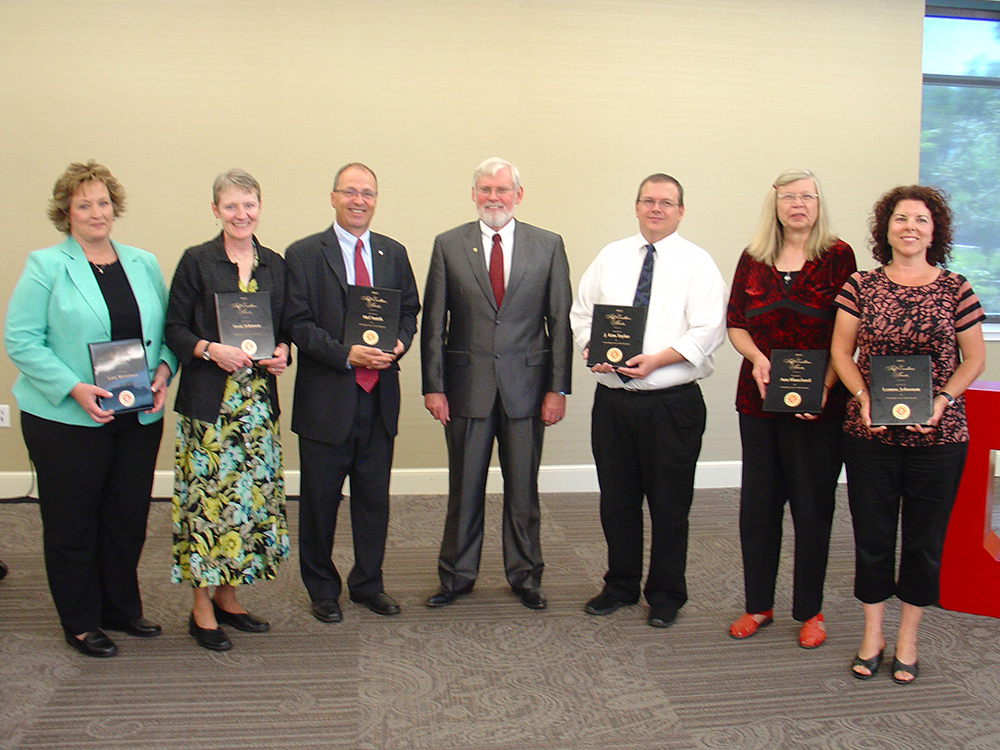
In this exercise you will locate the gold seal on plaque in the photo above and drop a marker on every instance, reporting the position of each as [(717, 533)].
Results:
[(614, 354), (249, 347), (126, 398), (370, 337), (901, 411), (792, 399)]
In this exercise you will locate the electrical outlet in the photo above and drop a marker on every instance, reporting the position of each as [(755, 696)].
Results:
[(4, 415)]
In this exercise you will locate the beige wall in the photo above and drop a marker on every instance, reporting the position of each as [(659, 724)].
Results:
[(586, 96)]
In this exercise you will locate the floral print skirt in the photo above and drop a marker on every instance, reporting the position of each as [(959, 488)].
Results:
[(229, 491)]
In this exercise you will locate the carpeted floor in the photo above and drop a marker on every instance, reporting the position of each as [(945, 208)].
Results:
[(486, 672)]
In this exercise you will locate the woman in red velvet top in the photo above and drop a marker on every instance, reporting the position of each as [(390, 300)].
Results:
[(782, 298)]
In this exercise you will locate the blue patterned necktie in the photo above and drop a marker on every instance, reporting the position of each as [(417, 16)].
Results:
[(645, 279)]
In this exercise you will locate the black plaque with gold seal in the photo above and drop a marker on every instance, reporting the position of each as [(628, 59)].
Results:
[(797, 377), (372, 317), (616, 334), (120, 367), (245, 322), (900, 389)]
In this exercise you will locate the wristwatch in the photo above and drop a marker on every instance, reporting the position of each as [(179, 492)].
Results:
[(948, 397), (204, 352)]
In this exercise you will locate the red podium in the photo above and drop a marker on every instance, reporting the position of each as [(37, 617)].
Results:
[(970, 562)]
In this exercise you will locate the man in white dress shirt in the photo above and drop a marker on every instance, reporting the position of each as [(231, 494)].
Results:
[(649, 415)]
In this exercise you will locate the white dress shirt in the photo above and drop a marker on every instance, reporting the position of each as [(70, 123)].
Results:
[(506, 233), (347, 243), (687, 306)]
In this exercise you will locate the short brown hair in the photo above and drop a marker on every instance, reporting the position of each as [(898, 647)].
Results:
[(661, 177), (936, 202), (66, 186)]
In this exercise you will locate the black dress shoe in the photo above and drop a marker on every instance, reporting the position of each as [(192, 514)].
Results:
[(213, 640), (94, 643), (240, 620), (444, 597), (604, 604), (380, 603), (140, 627), (531, 598), (661, 615), (327, 610)]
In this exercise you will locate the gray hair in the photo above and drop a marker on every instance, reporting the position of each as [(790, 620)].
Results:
[(492, 166), (235, 178)]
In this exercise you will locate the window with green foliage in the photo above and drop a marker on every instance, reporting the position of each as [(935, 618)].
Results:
[(960, 134)]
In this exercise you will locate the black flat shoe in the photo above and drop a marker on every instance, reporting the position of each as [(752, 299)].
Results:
[(871, 665), (3, 570), (380, 603), (213, 640), (140, 627), (94, 643), (604, 604), (327, 610), (240, 620), (531, 598), (661, 615), (898, 666)]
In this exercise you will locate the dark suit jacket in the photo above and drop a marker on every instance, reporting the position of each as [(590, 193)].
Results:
[(314, 307), (204, 270), (470, 350)]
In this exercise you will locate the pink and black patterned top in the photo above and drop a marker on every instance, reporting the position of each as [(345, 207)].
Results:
[(896, 319), (797, 316)]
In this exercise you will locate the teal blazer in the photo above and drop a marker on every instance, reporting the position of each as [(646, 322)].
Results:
[(57, 309)]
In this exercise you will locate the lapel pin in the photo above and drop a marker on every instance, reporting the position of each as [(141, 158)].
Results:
[(475, 249), (381, 253)]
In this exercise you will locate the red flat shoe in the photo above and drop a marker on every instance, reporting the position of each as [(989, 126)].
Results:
[(812, 634), (746, 626)]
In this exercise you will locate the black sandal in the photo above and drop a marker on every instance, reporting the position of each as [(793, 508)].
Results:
[(898, 666), (871, 665)]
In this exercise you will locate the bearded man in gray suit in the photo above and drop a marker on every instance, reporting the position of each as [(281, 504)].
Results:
[(496, 351)]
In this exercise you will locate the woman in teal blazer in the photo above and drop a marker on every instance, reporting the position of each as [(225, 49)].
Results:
[(94, 466)]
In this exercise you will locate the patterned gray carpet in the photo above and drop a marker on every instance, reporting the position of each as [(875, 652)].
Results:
[(486, 672)]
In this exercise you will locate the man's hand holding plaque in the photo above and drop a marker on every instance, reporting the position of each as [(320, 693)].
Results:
[(616, 334), (372, 317)]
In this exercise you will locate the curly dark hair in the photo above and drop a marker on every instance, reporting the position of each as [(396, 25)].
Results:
[(936, 202), (66, 186)]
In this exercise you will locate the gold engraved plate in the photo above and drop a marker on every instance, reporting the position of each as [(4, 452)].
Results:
[(249, 347), (614, 354), (126, 398), (370, 337), (792, 399), (901, 411)]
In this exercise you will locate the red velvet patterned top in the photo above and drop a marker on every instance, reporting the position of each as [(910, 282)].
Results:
[(799, 318), (897, 319)]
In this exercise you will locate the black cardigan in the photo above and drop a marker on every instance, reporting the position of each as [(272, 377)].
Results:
[(204, 270)]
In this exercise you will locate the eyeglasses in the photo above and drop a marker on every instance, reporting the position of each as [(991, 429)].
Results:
[(501, 192), (649, 203), (794, 197), (351, 193)]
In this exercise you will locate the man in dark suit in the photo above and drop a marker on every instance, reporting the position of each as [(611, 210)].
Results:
[(346, 398), (496, 354)]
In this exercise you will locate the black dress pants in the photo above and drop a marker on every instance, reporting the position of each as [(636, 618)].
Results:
[(646, 444), (94, 485)]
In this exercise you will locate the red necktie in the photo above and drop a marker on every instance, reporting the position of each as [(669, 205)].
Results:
[(496, 270), (366, 378)]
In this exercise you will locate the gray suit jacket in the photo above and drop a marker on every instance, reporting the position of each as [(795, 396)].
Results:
[(470, 350)]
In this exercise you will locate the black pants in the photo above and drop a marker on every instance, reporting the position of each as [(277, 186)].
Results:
[(365, 456), (94, 485), (892, 486), (646, 443), (798, 462)]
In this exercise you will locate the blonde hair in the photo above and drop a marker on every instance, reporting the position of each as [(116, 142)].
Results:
[(71, 180), (770, 235)]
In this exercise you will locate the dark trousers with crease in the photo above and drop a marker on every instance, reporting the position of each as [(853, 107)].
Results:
[(912, 489), (94, 486), (366, 457), (470, 446), (795, 461), (646, 444)]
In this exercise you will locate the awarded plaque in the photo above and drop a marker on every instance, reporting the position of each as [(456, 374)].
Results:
[(616, 333), (120, 367), (796, 381), (245, 322), (372, 317), (900, 388)]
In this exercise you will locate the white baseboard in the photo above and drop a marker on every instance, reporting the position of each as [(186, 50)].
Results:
[(569, 478)]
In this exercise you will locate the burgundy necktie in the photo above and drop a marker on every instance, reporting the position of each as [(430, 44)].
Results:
[(366, 378), (496, 270)]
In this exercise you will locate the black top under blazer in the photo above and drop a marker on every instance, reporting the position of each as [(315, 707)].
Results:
[(204, 270)]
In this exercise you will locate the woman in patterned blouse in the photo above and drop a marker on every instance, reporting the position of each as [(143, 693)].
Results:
[(908, 305), (782, 298)]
